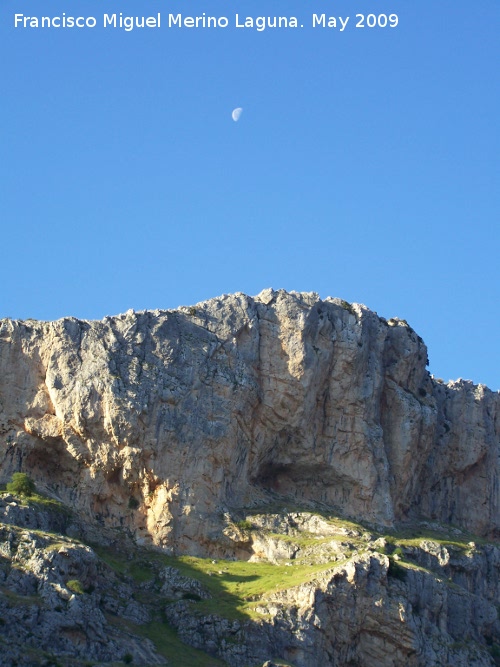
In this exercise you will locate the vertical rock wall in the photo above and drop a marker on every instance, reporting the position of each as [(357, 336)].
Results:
[(238, 401)]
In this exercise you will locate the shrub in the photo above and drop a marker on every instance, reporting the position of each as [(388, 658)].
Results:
[(347, 306), (75, 586), (396, 570), (21, 485), (245, 525), (133, 503), (127, 658), (191, 596)]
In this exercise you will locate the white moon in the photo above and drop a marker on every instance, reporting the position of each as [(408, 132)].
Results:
[(236, 114)]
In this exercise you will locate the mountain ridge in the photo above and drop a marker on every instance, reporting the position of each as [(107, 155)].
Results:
[(225, 431)]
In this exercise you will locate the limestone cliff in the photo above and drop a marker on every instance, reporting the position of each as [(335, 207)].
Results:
[(237, 437), (320, 591), (159, 422)]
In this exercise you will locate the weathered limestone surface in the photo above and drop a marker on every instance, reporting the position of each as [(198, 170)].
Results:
[(239, 400), (359, 614), (426, 603), (194, 430), (42, 615)]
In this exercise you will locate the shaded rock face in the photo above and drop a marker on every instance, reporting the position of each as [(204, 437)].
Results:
[(423, 601), (56, 597), (416, 620), (157, 422), (357, 614)]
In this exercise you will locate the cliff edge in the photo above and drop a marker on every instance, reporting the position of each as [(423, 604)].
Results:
[(160, 423)]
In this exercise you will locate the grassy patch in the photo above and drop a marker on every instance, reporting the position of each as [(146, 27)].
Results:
[(283, 508), (140, 568), (37, 500), (305, 540), (141, 571), (236, 585), (170, 646), (117, 562), (57, 544), (167, 643), (302, 539), (413, 537), (75, 586)]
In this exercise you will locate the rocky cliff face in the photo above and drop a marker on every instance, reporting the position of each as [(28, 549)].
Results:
[(236, 438), (236, 401), (321, 591)]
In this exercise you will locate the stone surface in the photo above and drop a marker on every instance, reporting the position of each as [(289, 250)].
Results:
[(239, 399), (363, 613), (237, 428), (55, 599)]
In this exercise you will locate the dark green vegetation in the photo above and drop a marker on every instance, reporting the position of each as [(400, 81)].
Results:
[(24, 488), (133, 503), (244, 524), (21, 485), (347, 306)]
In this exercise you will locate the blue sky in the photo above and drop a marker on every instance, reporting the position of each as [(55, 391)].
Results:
[(365, 164)]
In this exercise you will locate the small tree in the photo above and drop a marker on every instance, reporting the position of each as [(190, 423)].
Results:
[(21, 484)]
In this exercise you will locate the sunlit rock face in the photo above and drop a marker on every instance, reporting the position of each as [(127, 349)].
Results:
[(157, 422)]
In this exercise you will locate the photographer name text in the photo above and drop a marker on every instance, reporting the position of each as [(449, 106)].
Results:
[(118, 21)]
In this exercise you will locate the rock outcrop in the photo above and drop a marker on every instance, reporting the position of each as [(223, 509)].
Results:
[(56, 594), (198, 470), (237, 400), (362, 613), (342, 596)]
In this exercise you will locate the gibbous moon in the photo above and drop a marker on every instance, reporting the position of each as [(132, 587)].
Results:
[(236, 114)]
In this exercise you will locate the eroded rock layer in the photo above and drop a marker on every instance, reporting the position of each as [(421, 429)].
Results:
[(158, 422)]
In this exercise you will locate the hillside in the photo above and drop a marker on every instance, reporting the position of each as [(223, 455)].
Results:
[(269, 478)]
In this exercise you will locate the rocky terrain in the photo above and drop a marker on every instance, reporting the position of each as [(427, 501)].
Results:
[(315, 590), (248, 480)]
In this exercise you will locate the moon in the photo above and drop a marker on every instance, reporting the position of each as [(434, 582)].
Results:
[(235, 115)]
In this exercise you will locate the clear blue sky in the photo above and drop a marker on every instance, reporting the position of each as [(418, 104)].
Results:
[(365, 164)]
